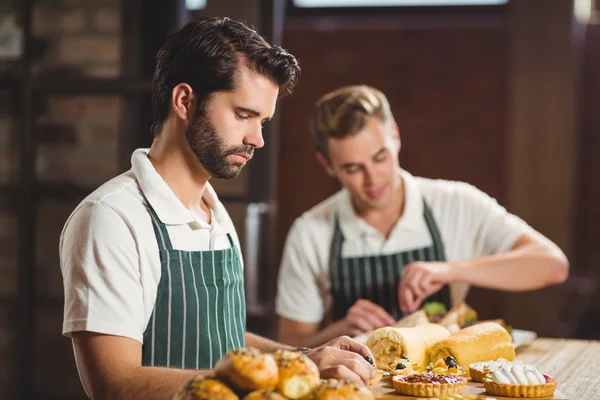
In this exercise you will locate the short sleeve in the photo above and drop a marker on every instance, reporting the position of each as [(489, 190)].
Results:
[(101, 274), (298, 294)]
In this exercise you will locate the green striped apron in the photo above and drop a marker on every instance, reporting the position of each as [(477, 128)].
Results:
[(200, 310), (376, 278)]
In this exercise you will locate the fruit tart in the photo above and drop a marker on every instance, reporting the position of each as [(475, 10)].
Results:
[(519, 380), (428, 385)]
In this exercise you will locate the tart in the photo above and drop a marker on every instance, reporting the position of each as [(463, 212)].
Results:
[(479, 370), (519, 380), (428, 385)]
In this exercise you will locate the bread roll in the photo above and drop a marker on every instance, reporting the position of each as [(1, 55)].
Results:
[(248, 370), (332, 389), (298, 374), (480, 342), (264, 395), (201, 388), (389, 343)]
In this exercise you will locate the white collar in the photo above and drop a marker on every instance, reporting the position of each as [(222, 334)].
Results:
[(167, 206), (353, 227)]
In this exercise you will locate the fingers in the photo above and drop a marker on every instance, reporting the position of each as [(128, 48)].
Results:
[(376, 311), (342, 372), (351, 345)]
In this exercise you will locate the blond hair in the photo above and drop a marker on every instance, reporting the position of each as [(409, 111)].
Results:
[(345, 112)]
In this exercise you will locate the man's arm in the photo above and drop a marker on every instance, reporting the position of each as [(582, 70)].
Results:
[(340, 358), (111, 368), (530, 264)]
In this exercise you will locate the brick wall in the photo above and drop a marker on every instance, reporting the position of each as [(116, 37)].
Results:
[(76, 139)]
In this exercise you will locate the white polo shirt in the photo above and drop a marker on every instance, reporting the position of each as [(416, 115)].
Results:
[(109, 254), (471, 224)]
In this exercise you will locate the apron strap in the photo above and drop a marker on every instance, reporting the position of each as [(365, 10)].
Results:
[(436, 237), (160, 229)]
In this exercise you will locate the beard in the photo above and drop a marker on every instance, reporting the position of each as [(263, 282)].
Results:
[(210, 149)]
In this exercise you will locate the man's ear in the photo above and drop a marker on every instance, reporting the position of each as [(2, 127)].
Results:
[(183, 101), (396, 136), (325, 164)]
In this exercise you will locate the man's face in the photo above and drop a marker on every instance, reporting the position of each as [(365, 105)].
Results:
[(367, 164), (224, 133)]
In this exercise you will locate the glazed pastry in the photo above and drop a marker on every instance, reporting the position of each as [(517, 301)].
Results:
[(202, 388), (479, 370), (447, 366), (480, 342), (519, 380), (332, 389), (264, 395), (248, 370), (428, 385), (298, 374), (401, 366), (389, 344)]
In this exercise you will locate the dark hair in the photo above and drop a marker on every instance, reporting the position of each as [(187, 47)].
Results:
[(206, 53)]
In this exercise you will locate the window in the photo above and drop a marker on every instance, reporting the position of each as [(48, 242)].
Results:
[(392, 3)]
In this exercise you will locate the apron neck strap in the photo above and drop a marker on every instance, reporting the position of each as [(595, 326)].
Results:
[(160, 230)]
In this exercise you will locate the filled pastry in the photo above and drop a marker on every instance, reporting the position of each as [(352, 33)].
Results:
[(298, 374), (202, 388), (480, 342), (389, 344), (248, 370), (332, 389)]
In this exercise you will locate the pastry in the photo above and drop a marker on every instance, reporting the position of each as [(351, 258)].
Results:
[(445, 366), (479, 370), (458, 317), (428, 385), (375, 381), (264, 395), (248, 370), (332, 389), (202, 388), (401, 366), (298, 374), (389, 343), (480, 342), (413, 319), (519, 380)]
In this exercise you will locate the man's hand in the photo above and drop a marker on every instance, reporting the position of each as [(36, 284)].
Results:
[(344, 358), (365, 316), (420, 280)]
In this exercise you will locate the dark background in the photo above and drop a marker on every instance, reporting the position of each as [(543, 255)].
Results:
[(504, 97)]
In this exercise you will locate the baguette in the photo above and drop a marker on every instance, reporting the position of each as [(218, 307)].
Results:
[(480, 342)]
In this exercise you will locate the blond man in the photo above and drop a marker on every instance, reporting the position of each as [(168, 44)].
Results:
[(388, 241)]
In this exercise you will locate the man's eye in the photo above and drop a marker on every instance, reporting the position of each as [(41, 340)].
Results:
[(241, 116), (381, 157), (352, 170)]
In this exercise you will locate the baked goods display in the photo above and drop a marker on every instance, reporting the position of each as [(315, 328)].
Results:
[(519, 380), (390, 343), (248, 370), (205, 388), (428, 384), (332, 389), (250, 374), (480, 342), (264, 395), (298, 375)]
